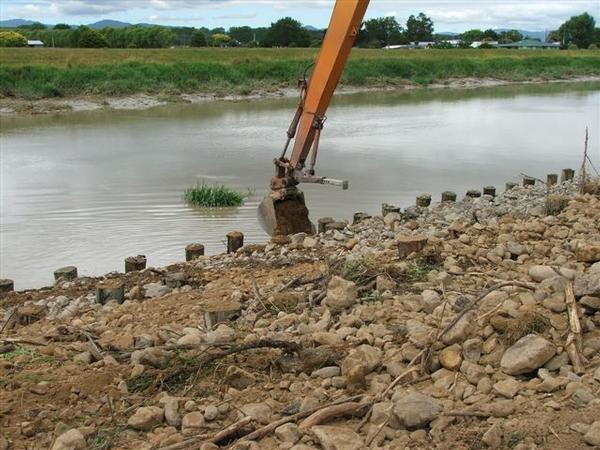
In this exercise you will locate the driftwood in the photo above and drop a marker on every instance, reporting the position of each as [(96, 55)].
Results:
[(262, 343), (332, 412), (230, 432), (574, 345), (261, 432)]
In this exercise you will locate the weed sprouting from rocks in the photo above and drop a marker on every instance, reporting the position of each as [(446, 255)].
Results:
[(213, 196), (418, 270)]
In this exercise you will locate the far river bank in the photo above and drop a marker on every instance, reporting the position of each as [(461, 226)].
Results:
[(11, 107)]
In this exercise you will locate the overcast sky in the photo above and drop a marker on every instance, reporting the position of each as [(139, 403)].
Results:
[(448, 15)]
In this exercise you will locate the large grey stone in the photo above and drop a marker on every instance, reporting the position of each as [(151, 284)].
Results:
[(340, 294), (587, 284), (527, 354), (366, 356), (70, 440), (146, 418), (155, 357), (592, 437), (338, 438), (415, 410), (461, 330), (541, 273)]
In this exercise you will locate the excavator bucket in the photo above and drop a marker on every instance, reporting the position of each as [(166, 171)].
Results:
[(284, 216)]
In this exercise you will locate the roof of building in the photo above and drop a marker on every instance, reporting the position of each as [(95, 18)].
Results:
[(531, 43), (35, 42)]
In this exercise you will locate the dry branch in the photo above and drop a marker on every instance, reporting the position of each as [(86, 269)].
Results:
[(574, 345), (262, 343), (324, 415), (261, 432)]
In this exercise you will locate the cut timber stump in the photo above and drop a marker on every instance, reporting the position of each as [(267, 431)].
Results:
[(473, 193), (567, 174), (65, 273), (216, 312), (552, 179), (410, 244), (448, 196), (423, 200), (489, 190), (323, 222), (386, 209), (194, 251), (528, 181), (235, 241), (108, 290), (6, 285), (510, 185), (135, 263), (359, 217)]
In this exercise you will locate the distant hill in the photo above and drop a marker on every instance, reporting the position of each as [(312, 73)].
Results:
[(13, 23), (109, 23), (541, 35), (311, 28)]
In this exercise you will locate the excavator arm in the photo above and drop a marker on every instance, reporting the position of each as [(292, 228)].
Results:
[(283, 211)]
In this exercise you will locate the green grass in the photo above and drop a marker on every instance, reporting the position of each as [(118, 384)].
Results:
[(213, 196), (418, 271), (31, 356), (43, 73)]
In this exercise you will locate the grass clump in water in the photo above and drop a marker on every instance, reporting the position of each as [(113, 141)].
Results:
[(213, 196)]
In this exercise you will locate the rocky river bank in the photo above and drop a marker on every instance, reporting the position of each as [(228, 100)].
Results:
[(464, 325)]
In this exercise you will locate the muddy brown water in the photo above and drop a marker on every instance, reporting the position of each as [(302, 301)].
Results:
[(89, 189)]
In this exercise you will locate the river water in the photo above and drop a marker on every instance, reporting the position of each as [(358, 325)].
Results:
[(89, 189)]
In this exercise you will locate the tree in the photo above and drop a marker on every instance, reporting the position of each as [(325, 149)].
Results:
[(470, 36), (89, 38), (578, 30), (198, 39), (62, 26), (12, 39), (243, 35), (490, 35), (553, 36), (287, 32), (33, 26), (380, 32), (510, 36), (419, 28)]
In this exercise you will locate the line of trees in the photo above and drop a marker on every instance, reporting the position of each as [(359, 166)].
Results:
[(577, 32), (286, 32)]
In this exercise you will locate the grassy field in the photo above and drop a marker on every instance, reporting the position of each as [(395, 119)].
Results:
[(44, 73)]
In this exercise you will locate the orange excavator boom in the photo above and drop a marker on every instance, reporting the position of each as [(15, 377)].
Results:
[(283, 211)]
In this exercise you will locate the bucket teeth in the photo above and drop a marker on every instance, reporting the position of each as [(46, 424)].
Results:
[(284, 216)]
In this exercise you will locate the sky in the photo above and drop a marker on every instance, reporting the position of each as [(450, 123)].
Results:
[(448, 15)]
